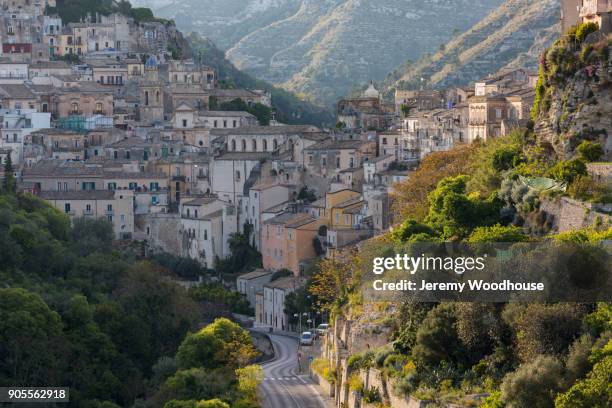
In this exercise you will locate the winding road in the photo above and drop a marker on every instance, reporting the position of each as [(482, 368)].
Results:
[(283, 386)]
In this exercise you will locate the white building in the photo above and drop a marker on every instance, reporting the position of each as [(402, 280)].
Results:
[(16, 125)]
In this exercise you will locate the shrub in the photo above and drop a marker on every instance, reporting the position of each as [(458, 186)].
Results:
[(533, 384), (568, 170), (498, 233), (594, 391), (584, 30), (590, 151), (584, 188), (506, 158), (547, 329), (407, 229), (577, 363)]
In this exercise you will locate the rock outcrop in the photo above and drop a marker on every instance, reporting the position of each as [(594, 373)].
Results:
[(574, 98)]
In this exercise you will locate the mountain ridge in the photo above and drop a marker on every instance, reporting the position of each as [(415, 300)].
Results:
[(512, 36), (320, 49)]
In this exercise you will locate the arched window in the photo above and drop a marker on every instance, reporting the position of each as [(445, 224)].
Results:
[(254, 143), (74, 108), (274, 144), (98, 107), (265, 145), (243, 145), (233, 145), (146, 98)]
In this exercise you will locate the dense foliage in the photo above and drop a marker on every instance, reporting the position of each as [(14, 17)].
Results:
[(74, 10), (522, 355), (287, 107), (76, 312), (260, 111)]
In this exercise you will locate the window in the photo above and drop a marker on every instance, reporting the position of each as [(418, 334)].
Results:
[(205, 235), (154, 186), (233, 145), (112, 186), (237, 175), (265, 145), (225, 123), (498, 113), (351, 162), (243, 145), (254, 143), (98, 107), (74, 108), (133, 185), (346, 219), (234, 123), (67, 208), (184, 123), (188, 213), (122, 217), (146, 98), (196, 213), (274, 144), (337, 162), (88, 208), (384, 140), (154, 200), (109, 208), (215, 124)]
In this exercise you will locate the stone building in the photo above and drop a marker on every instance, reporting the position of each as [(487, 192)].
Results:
[(151, 107)]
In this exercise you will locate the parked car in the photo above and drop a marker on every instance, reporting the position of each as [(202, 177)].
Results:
[(306, 339), (321, 329)]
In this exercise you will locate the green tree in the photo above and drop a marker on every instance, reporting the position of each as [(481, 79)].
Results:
[(437, 339), (547, 329), (533, 384), (220, 344), (568, 170), (8, 184), (590, 151), (31, 340)]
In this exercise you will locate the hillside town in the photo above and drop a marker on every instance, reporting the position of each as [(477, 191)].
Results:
[(104, 119)]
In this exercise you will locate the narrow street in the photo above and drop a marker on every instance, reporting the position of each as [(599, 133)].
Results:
[(283, 386)]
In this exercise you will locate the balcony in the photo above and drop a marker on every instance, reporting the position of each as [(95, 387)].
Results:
[(87, 213), (178, 178), (109, 212)]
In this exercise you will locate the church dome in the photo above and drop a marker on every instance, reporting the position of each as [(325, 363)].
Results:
[(371, 92)]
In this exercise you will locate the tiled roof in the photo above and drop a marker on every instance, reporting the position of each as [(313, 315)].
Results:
[(258, 273)]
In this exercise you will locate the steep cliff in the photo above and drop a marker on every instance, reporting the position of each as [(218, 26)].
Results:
[(513, 35), (573, 98)]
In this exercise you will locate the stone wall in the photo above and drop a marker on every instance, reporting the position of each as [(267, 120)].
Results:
[(569, 214), (163, 233)]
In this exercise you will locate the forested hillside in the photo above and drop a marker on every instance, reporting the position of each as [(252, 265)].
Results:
[(77, 312), (288, 107)]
